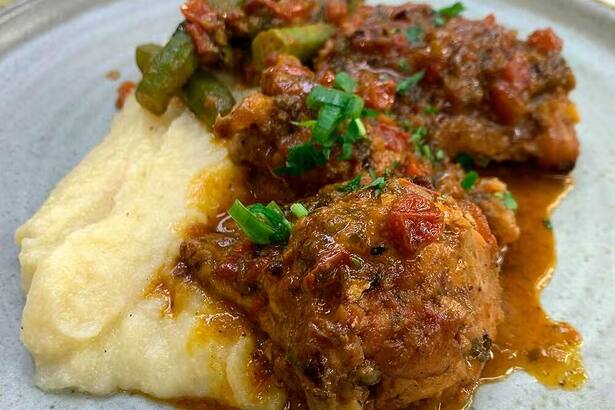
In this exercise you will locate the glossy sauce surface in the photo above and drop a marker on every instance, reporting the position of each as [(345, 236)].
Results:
[(528, 338)]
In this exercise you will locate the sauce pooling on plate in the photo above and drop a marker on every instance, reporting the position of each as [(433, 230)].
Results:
[(527, 337)]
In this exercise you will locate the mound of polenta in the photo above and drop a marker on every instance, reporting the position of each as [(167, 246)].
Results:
[(100, 314)]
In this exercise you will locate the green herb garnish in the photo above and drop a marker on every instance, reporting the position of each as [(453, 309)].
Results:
[(306, 123), (420, 146), (369, 113), (508, 200), (469, 180), (445, 13), (414, 34), (430, 109), (336, 108), (264, 225), (410, 82), (547, 224), (439, 154), (465, 160), (352, 185), (377, 185), (298, 210), (345, 82)]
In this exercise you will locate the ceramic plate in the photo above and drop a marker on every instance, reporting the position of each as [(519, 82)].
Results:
[(56, 104)]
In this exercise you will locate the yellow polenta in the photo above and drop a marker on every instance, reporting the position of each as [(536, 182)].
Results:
[(90, 254)]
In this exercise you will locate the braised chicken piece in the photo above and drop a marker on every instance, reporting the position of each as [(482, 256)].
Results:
[(476, 87), (266, 125), (367, 305)]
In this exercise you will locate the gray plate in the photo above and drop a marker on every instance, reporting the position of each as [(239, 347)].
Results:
[(55, 105)]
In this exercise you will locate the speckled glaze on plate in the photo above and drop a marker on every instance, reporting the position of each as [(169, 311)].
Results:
[(56, 104)]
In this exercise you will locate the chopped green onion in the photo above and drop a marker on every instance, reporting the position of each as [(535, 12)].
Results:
[(439, 154), (345, 82), (508, 200), (256, 229), (329, 117), (469, 180), (302, 158), (322, 95), (352, 185), (410, 82), (465, 160), (354, 108), (414, 34), (298, 210), (306, 123)]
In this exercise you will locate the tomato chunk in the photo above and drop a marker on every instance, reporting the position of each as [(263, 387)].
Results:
[(414, 222)]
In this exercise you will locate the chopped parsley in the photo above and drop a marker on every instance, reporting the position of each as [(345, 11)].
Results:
[(352, 185), (469, 180), (420, 146), (547, 224), (414, 34), (377, 184), (508, 200), (410, 82), (445, 13), (264, 225)]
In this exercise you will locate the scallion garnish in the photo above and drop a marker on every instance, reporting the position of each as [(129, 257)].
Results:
[(336, 109), (298, 210), (306, 123), (469, 180), (301, 158), (410, 82), (345, 82), (328, 119), (264, 225)]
